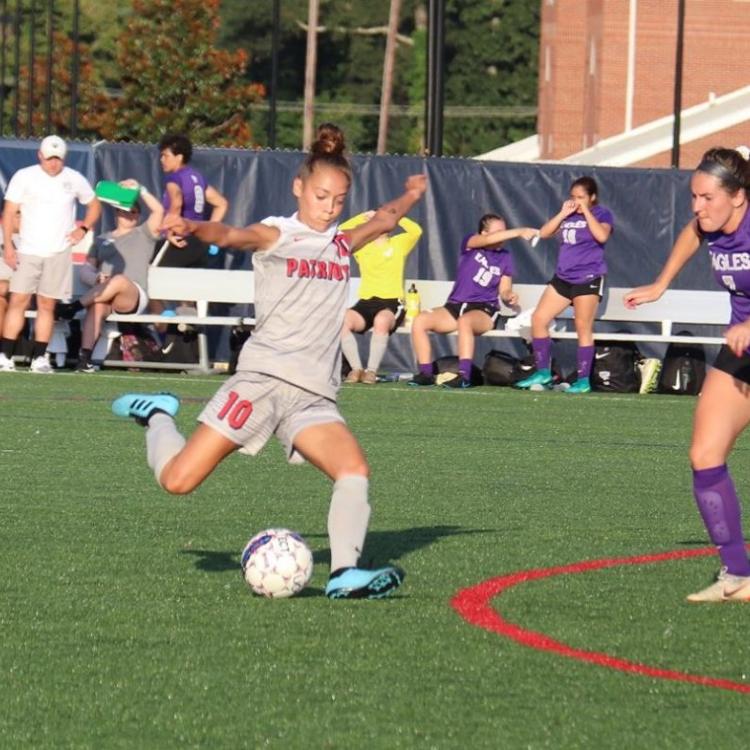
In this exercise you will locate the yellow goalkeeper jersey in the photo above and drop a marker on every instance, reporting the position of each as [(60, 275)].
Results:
[(381, 262)]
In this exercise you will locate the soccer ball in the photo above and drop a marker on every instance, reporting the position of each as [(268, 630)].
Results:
[(277, 563)]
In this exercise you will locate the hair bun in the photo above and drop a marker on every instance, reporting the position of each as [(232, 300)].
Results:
[(743, 151), (330, 141)]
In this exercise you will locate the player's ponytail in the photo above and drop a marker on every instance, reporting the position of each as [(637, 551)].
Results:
[(730, 166), (327, 150)]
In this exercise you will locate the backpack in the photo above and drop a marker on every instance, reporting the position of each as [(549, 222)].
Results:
[(502, 369), (449, 364), (615, 368), (684, 369)]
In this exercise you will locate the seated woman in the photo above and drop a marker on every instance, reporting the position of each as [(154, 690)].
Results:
[(380, 304), (485, 272), (117, 271)]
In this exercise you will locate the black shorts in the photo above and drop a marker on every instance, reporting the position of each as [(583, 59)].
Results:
[(738, 367), (369, 308), (193, 255), (569, 290), (457, 309)]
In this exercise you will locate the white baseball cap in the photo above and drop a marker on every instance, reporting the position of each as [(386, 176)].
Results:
[(53, 146)]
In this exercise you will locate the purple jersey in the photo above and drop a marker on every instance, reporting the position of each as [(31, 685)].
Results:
[(479, 272), (730, 260), (581, 257), (192, 184)]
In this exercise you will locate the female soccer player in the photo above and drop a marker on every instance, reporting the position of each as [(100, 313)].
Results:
[(720, 187), (485, 272), (381, 292), (288, 373), (584, 227)]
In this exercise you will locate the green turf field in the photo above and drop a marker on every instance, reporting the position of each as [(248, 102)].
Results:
[(125, 623)]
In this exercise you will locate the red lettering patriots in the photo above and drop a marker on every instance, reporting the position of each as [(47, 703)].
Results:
[(342, 245), (313, 268)]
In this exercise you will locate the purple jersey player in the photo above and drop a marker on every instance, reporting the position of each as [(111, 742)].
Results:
[(583, 227), (485, 273), (720, 187)]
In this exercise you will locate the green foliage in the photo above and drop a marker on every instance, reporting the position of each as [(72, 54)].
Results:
[(174, 78)]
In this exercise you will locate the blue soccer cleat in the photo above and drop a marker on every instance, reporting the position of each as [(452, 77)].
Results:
[(356, 583), (142, 406), (582, 385)]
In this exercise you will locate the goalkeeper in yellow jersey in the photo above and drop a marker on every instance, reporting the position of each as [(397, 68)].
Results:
[(380, 305)]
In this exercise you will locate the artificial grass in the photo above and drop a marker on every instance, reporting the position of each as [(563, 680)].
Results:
[(125, 622)]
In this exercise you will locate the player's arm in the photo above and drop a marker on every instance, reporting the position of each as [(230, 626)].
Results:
[(507, 295), (386, 218), (599, 230), (686, 245), (220, 205), (491, 239), (175, 199), (549, 229), (356, 221), (252, 237), (9, 249)]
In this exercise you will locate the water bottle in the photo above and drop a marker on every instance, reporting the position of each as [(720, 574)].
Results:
[(412, 304)]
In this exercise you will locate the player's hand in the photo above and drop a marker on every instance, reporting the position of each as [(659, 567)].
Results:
[(130, 183), (569, 207), (176, 228), (641, 295), (511, 300), (738, 338), (528, 233), (416, 183), (76, 235), (10, 256)]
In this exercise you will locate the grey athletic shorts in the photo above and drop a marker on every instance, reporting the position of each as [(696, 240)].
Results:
[(250, 407), (50, 276)]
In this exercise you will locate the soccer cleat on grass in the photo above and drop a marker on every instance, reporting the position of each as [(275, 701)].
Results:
[(727, 588), (41, 366), (6, 364), (421, 379), (541, 378), (369, 377), (356, 583), (650, 371), (142, 406), (458, 383), (354, 376), (582, 385)]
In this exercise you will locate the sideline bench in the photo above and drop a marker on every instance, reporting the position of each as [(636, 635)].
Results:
[(205, 286)]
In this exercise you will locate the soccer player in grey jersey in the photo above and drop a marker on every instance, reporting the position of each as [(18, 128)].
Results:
[(288, 373)]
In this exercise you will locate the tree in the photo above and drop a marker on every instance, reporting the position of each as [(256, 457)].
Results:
[(174, 78)]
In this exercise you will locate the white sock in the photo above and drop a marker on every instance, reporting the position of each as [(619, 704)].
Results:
[(163, 442), (348, 517), (378, 345), (351, 350)]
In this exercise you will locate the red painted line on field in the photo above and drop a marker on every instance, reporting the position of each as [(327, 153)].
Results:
[(473, 605)]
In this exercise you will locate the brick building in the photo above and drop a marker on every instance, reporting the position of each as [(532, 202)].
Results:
[(607, 67)]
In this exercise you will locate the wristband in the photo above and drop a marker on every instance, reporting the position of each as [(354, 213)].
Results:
[(84, 227)]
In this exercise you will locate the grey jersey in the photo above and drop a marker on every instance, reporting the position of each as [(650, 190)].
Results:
[(301, 293), (129, 254)]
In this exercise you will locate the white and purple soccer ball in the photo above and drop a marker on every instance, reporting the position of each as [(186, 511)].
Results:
[(277, 563)]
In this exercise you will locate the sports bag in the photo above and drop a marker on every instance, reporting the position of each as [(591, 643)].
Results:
[(684, 368), (501, 368), (615, 367)]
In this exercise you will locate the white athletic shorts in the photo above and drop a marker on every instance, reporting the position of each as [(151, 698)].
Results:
[(5, 270), (250, 407), (51, 276)]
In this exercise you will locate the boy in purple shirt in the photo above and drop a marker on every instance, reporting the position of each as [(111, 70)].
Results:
[(720, 188), (485, 272), (583, 227)]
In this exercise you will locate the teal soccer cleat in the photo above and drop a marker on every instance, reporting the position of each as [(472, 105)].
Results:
[(142, 406), (582, 385), (356, 583), (542, 378)]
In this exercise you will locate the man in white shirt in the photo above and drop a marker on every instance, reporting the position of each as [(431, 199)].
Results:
[(46, 195)]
